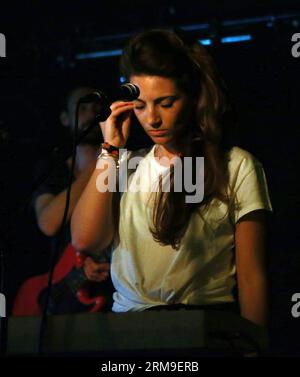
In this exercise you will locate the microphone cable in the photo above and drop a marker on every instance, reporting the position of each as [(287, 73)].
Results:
[(55, 254)]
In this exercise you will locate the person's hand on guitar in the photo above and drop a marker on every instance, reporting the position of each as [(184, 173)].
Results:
[(96, 271)]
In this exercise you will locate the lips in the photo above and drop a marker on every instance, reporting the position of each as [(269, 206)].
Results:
[(158, 133)]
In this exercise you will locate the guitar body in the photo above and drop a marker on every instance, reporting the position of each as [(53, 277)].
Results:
[(32, 293)]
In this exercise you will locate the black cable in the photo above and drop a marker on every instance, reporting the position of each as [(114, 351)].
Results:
[(55, 254)]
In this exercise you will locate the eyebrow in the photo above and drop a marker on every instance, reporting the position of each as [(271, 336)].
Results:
[(159, 99)]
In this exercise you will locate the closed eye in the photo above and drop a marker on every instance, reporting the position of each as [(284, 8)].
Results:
[(167, 104), (164, 105)]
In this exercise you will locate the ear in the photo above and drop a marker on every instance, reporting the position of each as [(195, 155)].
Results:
[(65, 119)]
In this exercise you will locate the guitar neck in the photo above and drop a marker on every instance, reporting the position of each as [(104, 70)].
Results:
[(77, 277)]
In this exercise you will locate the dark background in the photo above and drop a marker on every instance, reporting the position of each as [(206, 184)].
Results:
[(262, 76)]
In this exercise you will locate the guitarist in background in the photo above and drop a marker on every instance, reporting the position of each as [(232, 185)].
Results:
[(49, 203)]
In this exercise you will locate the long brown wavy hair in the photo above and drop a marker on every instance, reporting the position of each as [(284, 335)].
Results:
[(164, 53)]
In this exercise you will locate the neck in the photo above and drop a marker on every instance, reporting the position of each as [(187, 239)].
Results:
[(166, 151)]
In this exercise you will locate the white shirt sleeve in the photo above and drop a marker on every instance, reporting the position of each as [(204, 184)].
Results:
[(250, 189)]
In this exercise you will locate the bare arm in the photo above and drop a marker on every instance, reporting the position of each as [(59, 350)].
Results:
[(49, 208), (93, 222), (250, 260)]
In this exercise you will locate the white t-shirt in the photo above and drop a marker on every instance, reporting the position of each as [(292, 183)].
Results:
[(202, 271)]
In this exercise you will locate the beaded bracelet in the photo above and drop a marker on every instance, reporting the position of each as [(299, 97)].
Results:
[(110, 148), (105, 155)]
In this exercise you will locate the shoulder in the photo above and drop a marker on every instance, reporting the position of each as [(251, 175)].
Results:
[(50, 177), (247, 181), (241, 163), (241, 159)]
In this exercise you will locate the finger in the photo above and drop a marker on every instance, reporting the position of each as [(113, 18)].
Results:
[(103, 275), (120, 110), (117, 104), (103, 266), (98, 277), (117, 109), (99, 266), (87, 262), (126, 123), (93, 276)]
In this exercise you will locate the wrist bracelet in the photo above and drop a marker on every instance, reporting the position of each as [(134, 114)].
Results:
[(105, 155), (110, 148)]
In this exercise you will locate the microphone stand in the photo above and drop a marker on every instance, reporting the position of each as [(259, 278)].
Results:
[(58, 159), (4, 245), (100, 117), (103, 114)]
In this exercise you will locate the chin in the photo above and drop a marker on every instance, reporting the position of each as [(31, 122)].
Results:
[(161, 140)]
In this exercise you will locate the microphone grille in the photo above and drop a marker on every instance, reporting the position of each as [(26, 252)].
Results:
[(130, 91)]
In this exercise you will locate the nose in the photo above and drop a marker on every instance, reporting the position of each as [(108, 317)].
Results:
[(153, 118)]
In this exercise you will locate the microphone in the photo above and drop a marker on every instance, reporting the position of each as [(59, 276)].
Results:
[(126, 92)]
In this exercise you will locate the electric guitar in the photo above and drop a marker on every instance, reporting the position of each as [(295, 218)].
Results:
[(70, 291)]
